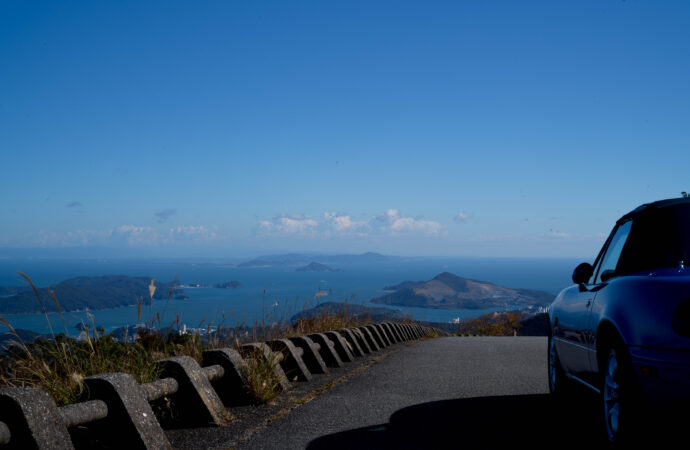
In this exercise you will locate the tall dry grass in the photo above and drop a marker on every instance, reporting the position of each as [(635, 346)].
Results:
[(58, 365)]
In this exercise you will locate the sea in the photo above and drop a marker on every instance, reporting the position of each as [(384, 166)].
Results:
[(268, 294)]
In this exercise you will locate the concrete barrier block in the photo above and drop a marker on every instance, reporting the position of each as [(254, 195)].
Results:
[(415, 331), (33, 419), (408, 331), (383, 331), (392, 332), (342, 346), (198, 403), (261, 350), (369, 338), (374, 331), (362, 340), (233, 389), (399, 330), (354, 340), (384, 336), (130, 422), (311, 356), (403, 332), (292, 362), (327, 350)]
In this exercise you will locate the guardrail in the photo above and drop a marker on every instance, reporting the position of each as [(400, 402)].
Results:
[(118, 408)]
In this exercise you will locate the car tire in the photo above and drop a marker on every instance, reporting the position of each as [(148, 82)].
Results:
[(619, 396), (559, 384)]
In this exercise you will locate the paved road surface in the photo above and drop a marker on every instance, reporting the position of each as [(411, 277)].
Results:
[(450, 392)]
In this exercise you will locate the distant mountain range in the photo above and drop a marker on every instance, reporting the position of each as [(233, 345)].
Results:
[(300, 259), (316, 267), (448, 291), (110, 291)]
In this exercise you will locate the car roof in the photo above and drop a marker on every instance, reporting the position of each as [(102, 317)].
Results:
[(654, 205)]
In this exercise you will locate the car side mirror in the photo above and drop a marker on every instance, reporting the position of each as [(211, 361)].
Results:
[(582, 273)]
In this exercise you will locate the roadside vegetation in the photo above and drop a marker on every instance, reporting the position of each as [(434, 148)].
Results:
[(506, 323), (59, 364)]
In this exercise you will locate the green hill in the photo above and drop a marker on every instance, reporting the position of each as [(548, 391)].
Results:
[(110, 291), (448, 291)]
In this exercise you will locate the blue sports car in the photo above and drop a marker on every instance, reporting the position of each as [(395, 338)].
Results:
[(623, 329)]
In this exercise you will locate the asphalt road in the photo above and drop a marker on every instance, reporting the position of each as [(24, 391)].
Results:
[(471, 392)]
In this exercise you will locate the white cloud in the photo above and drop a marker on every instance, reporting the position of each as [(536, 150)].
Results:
[(128, 236), (343, 223), (388, 216), (462, 216), (197, 233), (395, 222), (132, 235), (70, 238), (335, 224), (284, 224)]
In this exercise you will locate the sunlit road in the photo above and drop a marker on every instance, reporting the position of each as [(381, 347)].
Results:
[(458, 391)]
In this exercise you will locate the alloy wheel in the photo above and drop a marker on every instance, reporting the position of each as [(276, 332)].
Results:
[(612, 396)]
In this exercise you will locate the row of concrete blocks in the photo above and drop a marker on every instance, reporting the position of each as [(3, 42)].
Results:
[(118, 409)]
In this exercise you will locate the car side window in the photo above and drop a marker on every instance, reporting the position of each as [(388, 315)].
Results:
[(607, 268)]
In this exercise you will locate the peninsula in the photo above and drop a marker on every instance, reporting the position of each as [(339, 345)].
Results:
[(81, 293)]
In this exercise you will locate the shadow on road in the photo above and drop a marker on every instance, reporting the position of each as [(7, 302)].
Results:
[(521, 421)]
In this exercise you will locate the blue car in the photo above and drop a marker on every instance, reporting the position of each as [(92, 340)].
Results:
[(623, 328)]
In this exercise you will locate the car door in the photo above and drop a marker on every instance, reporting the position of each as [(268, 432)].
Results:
[(570, 332), (606, 270), (575, 332)]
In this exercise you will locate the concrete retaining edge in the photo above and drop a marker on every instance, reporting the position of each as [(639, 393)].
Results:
[(118, 409)]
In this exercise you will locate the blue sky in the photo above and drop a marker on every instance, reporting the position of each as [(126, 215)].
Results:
[(226, 128)]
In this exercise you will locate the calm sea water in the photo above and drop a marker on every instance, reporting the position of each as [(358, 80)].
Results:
[(272, 292)]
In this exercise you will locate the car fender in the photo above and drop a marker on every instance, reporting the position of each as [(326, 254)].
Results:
[(640, 309)]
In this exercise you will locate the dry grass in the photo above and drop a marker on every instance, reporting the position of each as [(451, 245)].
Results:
[(325, 322), (496, 324), (261, 377), (58, 365)]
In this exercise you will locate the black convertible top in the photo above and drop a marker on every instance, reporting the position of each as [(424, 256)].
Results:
[(654, 205)]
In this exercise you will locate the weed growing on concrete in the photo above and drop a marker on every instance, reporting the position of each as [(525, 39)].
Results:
[(261, 376)]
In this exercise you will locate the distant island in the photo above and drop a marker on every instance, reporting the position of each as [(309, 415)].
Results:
[(316, 267), (448, 291), (298, 259), (81, 293)]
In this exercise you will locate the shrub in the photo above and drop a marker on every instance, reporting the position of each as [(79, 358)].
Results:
[(493, 324)]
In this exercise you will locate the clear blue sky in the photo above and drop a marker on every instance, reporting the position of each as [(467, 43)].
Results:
[(486, 128)]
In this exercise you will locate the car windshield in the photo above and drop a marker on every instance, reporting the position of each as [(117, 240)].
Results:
[(660, 237)]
